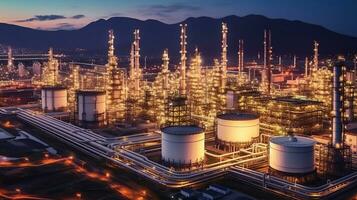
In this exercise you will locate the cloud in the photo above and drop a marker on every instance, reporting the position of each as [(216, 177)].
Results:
[(64, 26), (172, 8), (49, 18), (78, 16), (167, 10), (42, 18)]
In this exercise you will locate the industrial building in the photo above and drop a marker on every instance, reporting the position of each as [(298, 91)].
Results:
[(284, 114)]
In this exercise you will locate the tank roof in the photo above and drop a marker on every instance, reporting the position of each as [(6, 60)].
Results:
[(182, 130), (56, 87), (238, 116), (90, 92), (293, 141)]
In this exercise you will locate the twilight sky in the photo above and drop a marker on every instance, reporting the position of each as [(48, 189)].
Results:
[(337, 15)]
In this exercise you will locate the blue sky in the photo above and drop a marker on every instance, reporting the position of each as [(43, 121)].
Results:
[(338, 15)]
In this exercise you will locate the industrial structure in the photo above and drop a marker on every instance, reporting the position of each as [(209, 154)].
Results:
[(335, 158), (210, 121)]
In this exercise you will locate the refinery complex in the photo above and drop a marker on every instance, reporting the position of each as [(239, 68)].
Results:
[(282, 129)]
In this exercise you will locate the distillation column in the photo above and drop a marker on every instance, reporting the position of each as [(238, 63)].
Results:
[(224, 56), (10, 60), (240, 56), (316, 56), (137, 61), (337, 129), (50, 71), (113, 85), (195, 91), (337, 156), (266, 76), (165, 71), (306, 67), (183, 52)]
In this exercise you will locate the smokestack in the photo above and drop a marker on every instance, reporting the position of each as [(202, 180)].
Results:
[(337, 103)]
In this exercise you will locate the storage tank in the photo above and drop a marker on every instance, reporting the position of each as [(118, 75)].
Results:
[(182, 145), (91, 106), (235, 130), (292, 154), (54, 98)]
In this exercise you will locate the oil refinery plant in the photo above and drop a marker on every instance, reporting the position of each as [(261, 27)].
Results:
[(284, 131)]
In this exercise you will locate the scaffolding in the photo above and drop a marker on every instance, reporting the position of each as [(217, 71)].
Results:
[(162, 87), (335, 159), (281, 115), (50, 70), (195, 95), (177, 111), (114, 85), (74, 86), (333, 162)]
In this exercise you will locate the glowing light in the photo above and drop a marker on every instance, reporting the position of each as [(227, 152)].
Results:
[(78, 195)]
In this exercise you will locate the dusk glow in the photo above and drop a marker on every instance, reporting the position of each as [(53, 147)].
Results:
[(333, 14)]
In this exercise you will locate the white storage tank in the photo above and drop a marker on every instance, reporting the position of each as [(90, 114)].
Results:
[(292, 154), (54, 98), (182, 145), (91, 106), (234, 129)]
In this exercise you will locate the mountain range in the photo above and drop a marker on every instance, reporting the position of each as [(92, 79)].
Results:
[(288, 37)]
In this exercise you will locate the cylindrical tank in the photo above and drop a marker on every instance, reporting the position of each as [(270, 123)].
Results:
[(292, 154), (182, 145), (54, 98), (237, 127), (91, 106)]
